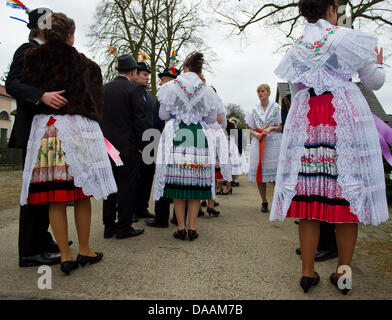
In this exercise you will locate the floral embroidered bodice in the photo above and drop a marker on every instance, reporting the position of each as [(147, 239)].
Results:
[(264, 119)]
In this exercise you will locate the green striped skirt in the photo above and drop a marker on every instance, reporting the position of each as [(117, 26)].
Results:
[(188, 176)]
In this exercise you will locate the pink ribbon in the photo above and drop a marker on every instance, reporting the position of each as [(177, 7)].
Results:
[(385, 135), (113, 153)]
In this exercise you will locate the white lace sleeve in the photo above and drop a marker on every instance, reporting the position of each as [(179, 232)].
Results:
[(163, 114), (211, 118), (355, 50), (294, 88), (250, 121), (372, 76)]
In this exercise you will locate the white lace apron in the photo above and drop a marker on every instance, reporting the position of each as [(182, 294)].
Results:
[(270, 158), (189, 101), (85, 153), (359, 164)]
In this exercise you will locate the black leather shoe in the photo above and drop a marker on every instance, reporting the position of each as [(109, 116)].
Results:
[(180, 234), (298, 251), (135, 219), (192, 235), (201, 213), (227, 193), (54, 248), (145, 214), (235, 184), (204, 204), (68, 266), (153, 223), (110, 231), (130, 233), (43, 259), (325, 255), (83, 260), (296, 221), (264, 207), (213, 212), (334, 280), (307, 282)]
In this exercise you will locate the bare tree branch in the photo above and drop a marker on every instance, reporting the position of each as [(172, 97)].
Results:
[(151, 26)]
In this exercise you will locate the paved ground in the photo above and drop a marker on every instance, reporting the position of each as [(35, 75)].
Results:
[(240, 255)]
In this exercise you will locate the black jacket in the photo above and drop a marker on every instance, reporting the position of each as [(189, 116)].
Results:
[(57, 66), (124, 115), (26, 98)]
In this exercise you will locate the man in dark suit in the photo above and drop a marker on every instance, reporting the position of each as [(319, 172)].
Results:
[(124, 121), (162, 206), (36, 245), (147, 170)]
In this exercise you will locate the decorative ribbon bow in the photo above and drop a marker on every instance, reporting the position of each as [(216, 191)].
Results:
[(113, 153), (259, 176), (385, 135)]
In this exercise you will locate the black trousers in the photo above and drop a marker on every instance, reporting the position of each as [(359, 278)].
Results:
[(34, 237), (162, 210), (144, 188), (124, 201), (327, 240)]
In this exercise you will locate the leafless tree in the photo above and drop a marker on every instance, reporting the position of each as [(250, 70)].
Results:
[(373, 15), (151, 26)]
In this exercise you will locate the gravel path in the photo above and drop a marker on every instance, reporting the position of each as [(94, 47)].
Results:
[(239, 255)]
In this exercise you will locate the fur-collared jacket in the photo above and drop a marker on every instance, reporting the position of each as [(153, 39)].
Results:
[(58, 66)]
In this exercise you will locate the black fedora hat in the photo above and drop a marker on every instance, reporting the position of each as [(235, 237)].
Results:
[(126, 63), (35, 15), (141, 66), (170, 72)]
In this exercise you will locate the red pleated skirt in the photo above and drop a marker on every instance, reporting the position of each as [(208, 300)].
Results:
[(218, 174), (50, 181), (318, 195)]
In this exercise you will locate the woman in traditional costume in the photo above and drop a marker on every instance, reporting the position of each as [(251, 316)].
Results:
[(266, 128), (66, 157), (185, 169), (223, 166), (330, 167)]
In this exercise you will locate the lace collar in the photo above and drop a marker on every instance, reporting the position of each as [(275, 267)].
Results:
[(261, 111), (317, 37), (189, 84)]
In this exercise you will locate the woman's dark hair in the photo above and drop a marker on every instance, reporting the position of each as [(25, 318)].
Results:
[(314, 10), (61, 28), (195, 62), (34, 33)]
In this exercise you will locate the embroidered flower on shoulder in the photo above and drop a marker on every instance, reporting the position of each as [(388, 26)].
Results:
[(190, 95), (317, 45)]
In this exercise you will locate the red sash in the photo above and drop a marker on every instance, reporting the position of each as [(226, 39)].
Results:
[(259, 176)]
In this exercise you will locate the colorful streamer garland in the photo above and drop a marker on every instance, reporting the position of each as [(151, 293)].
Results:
[(113, 51), (173, 62), (143, 57), (16, 4)]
